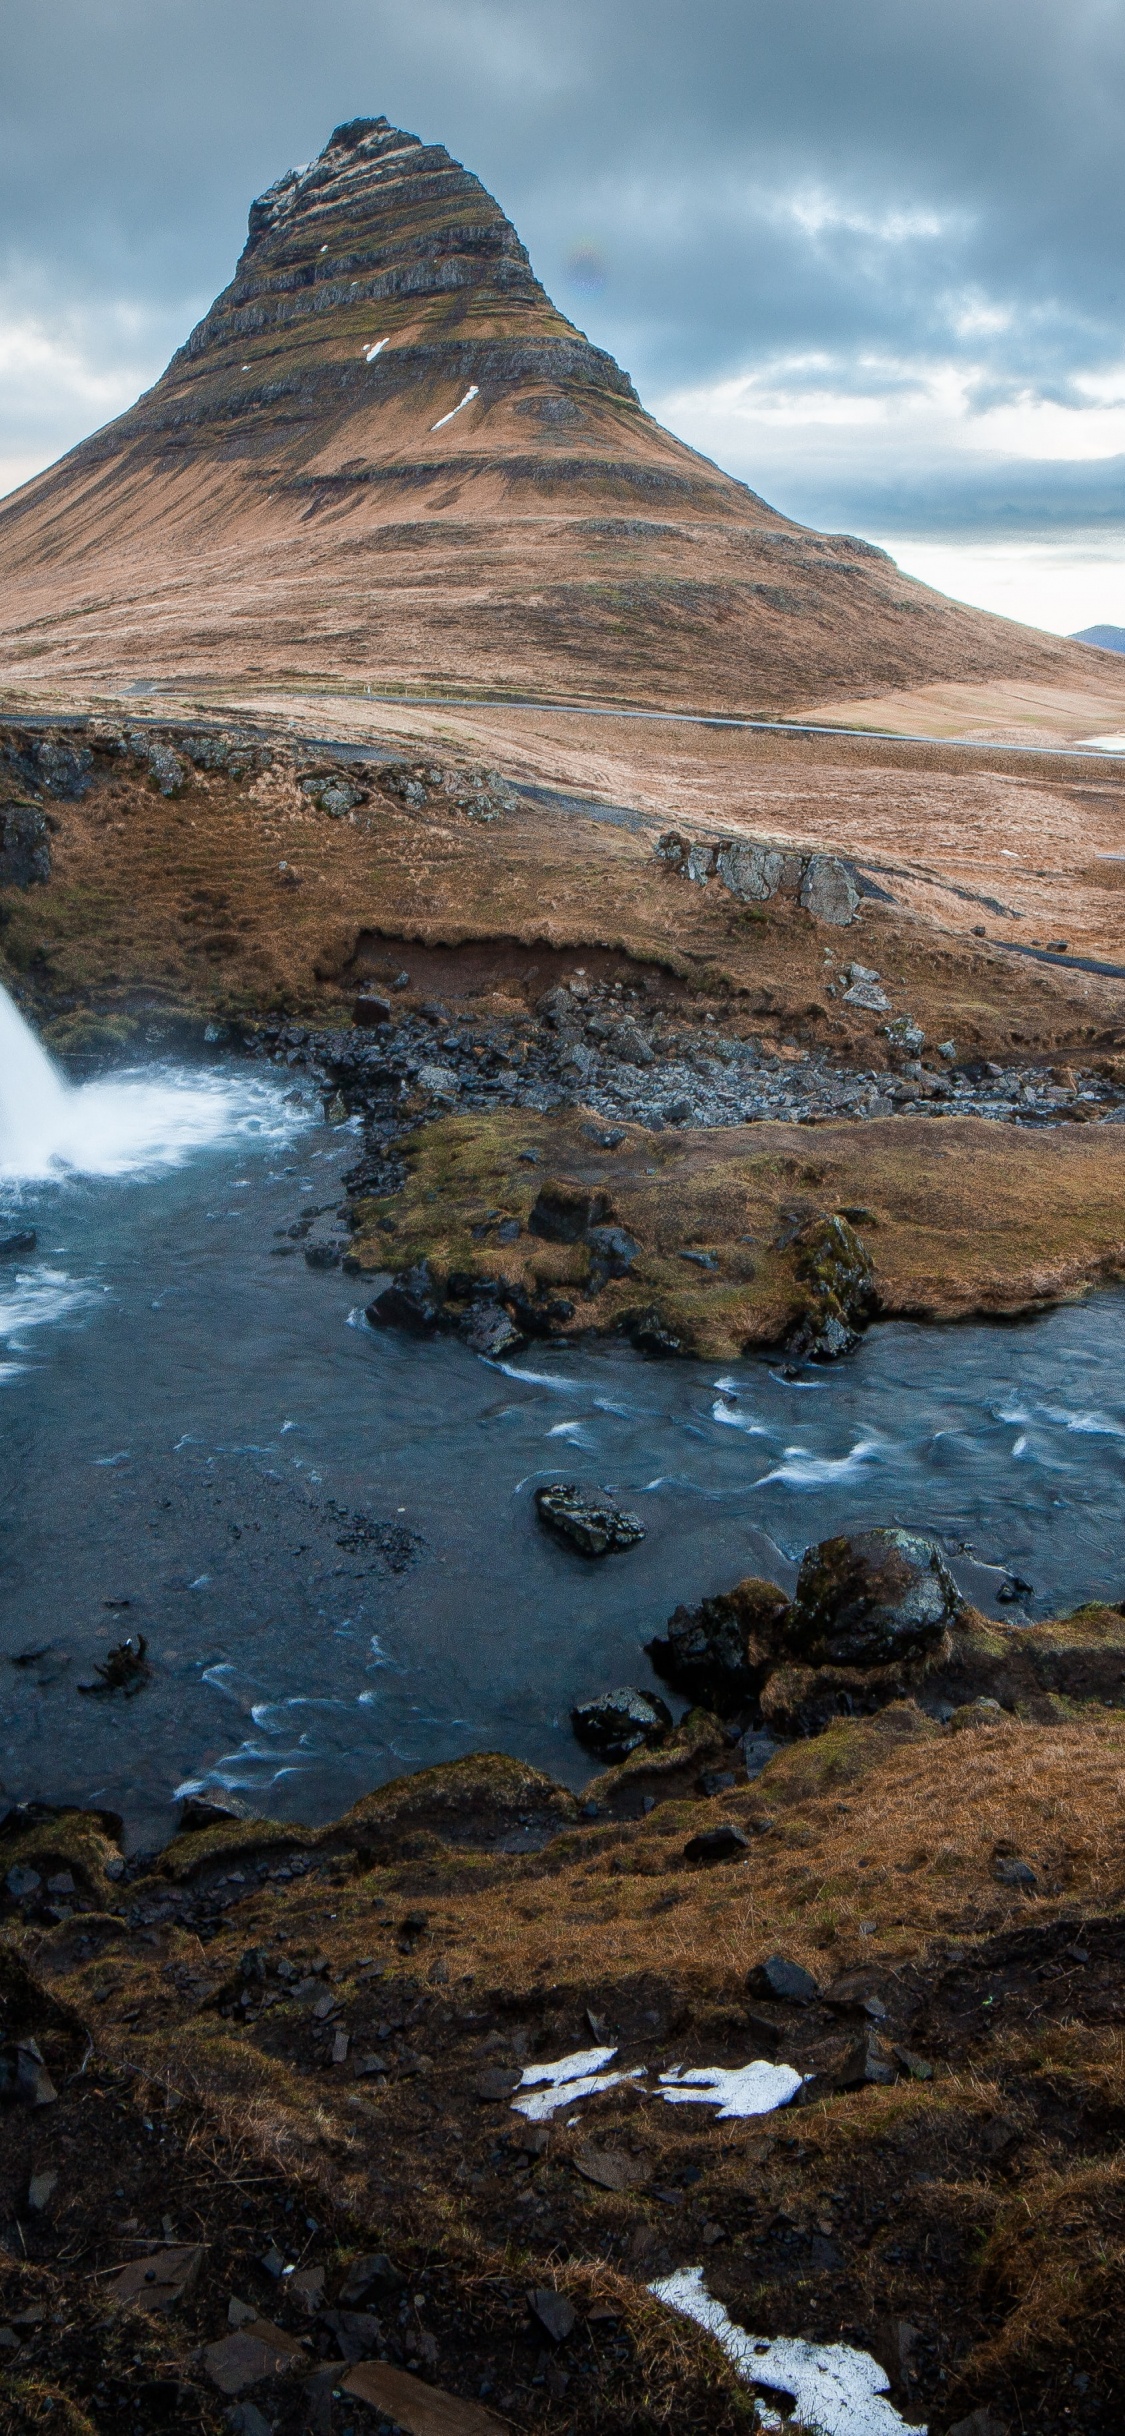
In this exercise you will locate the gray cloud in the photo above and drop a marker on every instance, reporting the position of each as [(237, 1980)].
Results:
[(861, 197)]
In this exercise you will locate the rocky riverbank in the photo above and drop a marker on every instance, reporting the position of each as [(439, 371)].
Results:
[(288, 2139)]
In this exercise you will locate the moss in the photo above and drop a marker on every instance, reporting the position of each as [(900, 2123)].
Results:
[(967, 1217), (486, 1791), (698, 1738), (846, 1751), (242, 1839)]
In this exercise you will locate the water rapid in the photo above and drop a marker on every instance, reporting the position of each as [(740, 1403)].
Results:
[(128, 1123)]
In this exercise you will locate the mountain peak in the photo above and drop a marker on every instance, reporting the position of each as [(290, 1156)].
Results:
[(385, 455)]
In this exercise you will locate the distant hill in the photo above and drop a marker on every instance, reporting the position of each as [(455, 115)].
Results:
[(384, 456), (1107, 638)]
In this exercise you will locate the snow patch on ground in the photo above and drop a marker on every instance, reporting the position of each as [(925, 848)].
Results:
[(835, 2391)]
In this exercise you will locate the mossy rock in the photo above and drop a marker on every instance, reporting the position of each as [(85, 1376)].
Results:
[(85, 1842), (236, 1840), (697, 1742), (473, 1800)]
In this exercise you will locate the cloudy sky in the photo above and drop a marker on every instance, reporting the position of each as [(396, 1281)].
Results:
[(869, 254)]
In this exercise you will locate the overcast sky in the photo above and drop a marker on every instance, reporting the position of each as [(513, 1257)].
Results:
[(869, 254)]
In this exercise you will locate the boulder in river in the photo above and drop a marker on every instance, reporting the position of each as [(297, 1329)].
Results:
[(720, 1651), (588, 1519), (619, 1722), (413, 1301), (872, 1598), (836, 1278)]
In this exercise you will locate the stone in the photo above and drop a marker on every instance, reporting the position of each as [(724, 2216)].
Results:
[(830, 890), (868, 993), (439, 1082), (494, 2086), (980, 1712), (64, 770), (1016, 1873), (864, 2064), (717, 1844), (628, 1043), (565, 1213), (611, 2168), (587, 1519), (904, 1033), (836, 1285), (612, 1252), (788, 1982), (370, 1013), (621, 1721), (41, 2190), (250, 2355), (719, 1651), (755, 871), (650, 1334), (335, 796), (554, 2313), (423, 2410), (371, 2278), (25, 853), (872, 1598), (23, 1884), (24, 2078), (413, 1301), (162, 2280), (490, 1331), (202, 1810), (167, 772)]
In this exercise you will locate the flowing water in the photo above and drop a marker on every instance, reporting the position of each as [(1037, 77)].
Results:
[(326, 1532)]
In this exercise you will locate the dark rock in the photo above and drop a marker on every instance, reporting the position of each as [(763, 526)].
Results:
[(871, 1598), (587, 1518), (412, 1301), (25, 855), (564, 1213), (865, 2063), (357, 2333), (371, 1012), (24, 2078), (612, 1252), (619, 1722), (647, 1331), (555, 2313), (763, 2029), (490, 1331), (1016, 1873), (757, 1751), (788, 1982), (370, 2279), (509, 1231), (492, 2087), (717, 1844), (677, 1112), (716, 1780), (719, 1652), (203, 1810), (915, 2065), (836, 1278)]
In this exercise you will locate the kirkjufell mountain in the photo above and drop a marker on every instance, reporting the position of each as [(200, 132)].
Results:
[(385, 456)]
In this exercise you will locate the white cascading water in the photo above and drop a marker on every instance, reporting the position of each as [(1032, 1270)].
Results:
[(121, 1124)]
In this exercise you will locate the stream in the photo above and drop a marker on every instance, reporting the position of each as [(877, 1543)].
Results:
[(326, 1532)]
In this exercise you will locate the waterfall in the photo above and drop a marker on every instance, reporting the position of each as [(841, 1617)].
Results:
[(124, 1124)]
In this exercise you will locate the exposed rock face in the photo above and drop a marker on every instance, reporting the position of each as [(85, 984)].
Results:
[(25, 853), (871, 1599), (719, 1652), (385, 375)]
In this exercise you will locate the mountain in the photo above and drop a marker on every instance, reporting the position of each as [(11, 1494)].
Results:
[(1107, 638), (385, 456)]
